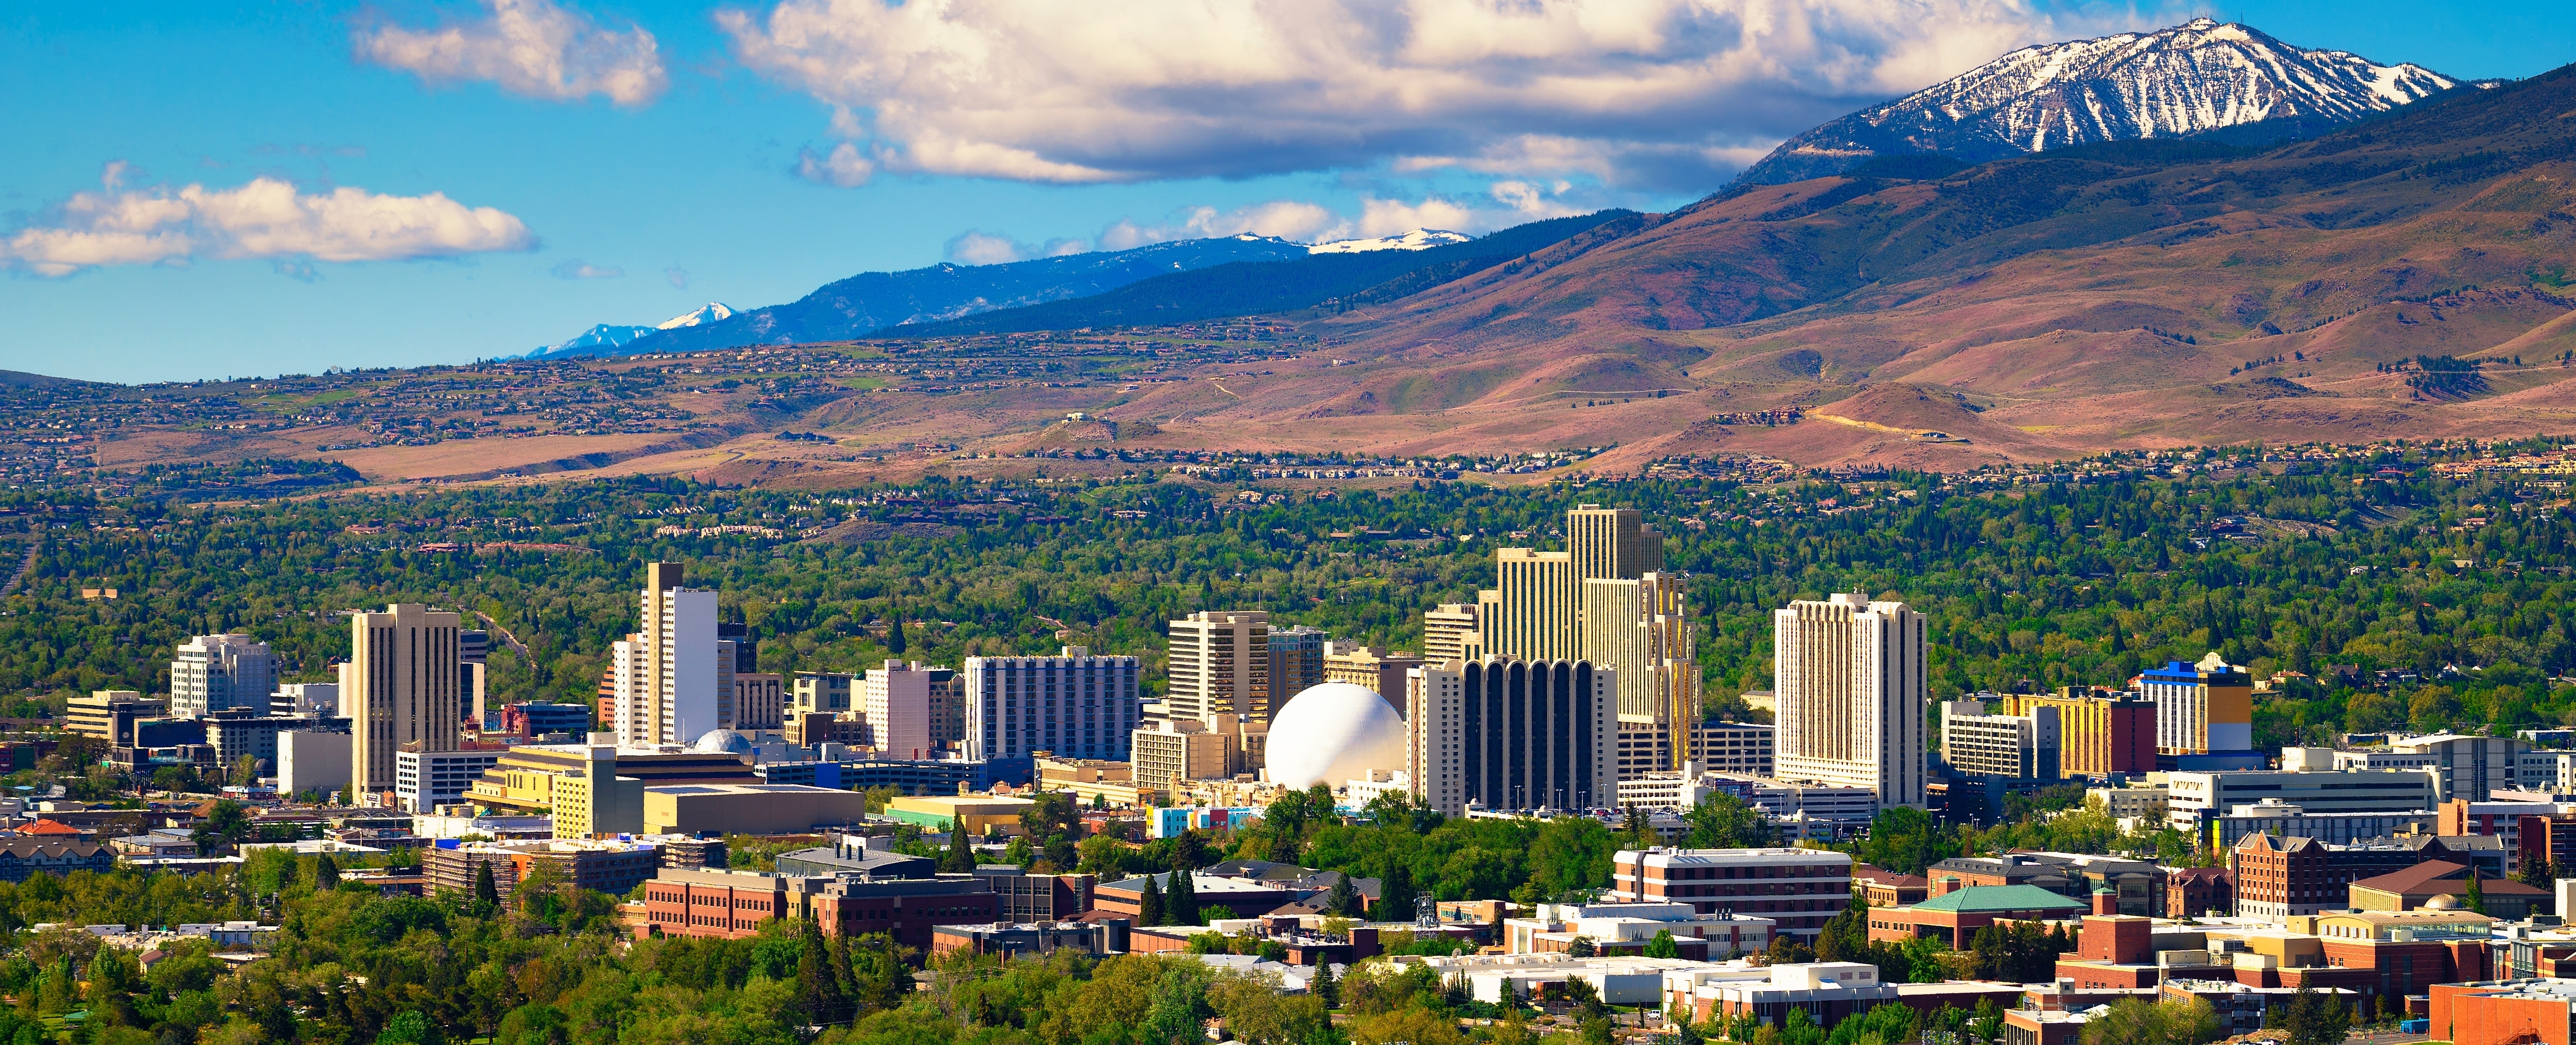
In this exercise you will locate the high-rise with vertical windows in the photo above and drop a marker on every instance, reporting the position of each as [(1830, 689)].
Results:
[(1641, 628), (1611, 542), (1529, 614), (401, 686), (1508, 734), (1849, 674), (1450, 633), (214, 672), (1075, 705), (1220, 665), (674, 681), (1296, 662)]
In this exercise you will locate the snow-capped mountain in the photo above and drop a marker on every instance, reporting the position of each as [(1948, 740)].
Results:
[(710, 312), (1418, 239), (2199, 76), (606, 338)]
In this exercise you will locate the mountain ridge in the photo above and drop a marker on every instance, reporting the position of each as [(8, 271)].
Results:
[(2197, 77)]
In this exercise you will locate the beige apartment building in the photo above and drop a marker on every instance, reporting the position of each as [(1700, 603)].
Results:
[(1220, 665), (401, 685)]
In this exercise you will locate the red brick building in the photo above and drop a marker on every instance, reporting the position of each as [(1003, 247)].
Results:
[(1954, 917), (2283, 877), (1798, 889), (2194, 891), (2516, 1013), (730, 904)]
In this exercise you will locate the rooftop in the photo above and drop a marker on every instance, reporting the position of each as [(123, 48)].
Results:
[(1999, 898)]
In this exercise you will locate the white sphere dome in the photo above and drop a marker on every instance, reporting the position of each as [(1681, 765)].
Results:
[(722, 742), (1334, 733)]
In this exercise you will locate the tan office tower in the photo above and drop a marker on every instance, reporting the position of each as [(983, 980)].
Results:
[(1220, 665), (1511, 735), (401, 689), (1533, 609), (1641, 628), (1849, 675), (1450, 634), (1612, 542)]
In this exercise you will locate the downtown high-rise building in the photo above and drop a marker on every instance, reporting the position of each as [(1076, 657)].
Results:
[(673, 677), (1849, 675), (1605, 599), (400, 685), (1296, 662), (1508, 734), (1220, 665), (1450, 633), (214, 672), (1075, 706), (1529, 613)]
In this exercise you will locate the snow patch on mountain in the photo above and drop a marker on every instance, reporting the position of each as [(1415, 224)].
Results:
[(711, 312), (2198, 76), (1418, 239)]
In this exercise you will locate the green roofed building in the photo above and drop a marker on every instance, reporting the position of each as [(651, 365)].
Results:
[(1955, 916)]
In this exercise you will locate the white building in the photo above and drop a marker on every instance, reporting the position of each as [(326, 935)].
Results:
[(1075, 705), (673, 678), (895, 700), (312, 762), (1849, 674), (1625, 926), (1618, 979), (2134, 805), (2273, 816), (214, 672), (308, 699), (2021, 747), (1849, 986), (1220, 665), (2198, 796), (426, 780)]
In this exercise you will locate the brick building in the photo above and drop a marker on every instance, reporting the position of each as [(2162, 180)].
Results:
[(2194, 891), (1955, 916), (21, 858), (1798, 889), (2512, 1013), (2283, 877), (724, 903)]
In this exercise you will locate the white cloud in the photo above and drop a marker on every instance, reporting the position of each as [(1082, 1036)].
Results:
[(679, 277), (977, 247), (267, 218), (531, 48), (1630, 90), (1507, 203), (577, 269), (844, 167)]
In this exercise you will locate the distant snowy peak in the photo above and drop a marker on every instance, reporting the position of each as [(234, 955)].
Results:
[(2198, 76), (1418, 239), (711, 312), (603, 336)]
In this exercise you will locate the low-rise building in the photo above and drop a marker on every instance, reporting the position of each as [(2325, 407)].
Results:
[(1628, 928), (1010, 940), (1798, 889), (2199, 796), (426, 780), (1829, 992), (2515, 1012), (2192, 892), (1885, 888), (110, 715), (870, 855), (21, 858), (1955, 916), (2273, 816), (1246, 898), (751, 809), (978, 815), (604, 866), (2443, 885), (2284, 877)]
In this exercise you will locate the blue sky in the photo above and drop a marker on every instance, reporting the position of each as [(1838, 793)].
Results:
[(210, 190)]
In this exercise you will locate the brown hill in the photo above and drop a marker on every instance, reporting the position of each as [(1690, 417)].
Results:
[(2131, 295)]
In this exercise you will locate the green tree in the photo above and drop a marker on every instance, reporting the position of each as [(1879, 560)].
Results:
[(2476, 898), (1905, 840), (2317, 1019), (486, 892), (960, 856), (1723, 821), (326, 872), (1663, 945), (1149, 903), (1181, 901), (1342, 900), (1396, 897)]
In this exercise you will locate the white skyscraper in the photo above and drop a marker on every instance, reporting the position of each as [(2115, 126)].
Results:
[(1075, 706), (214, 672), (670, 686), (1850, 677), (895, 699)]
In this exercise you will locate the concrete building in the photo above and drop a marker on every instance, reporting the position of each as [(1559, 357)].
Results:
[(978, 815), (1296, 661), (674, 682), (1799, 889), (2201, 708), (1954, 916), (1372, 668), (2194, 798), (1450, 632), (1075, 705), (1167, 753), (1627, 928), (312, 762), (427, 780), (1502, 734), (473, 648), (1530, 612), (895, 701), (2273, 816), (1220, 665), (606, 866), (1849, 674), (110, 715), (1639, 626), (2285, 877), (2469, 767), (2099, 732), (401, 682), (759, 701), (241, 731), (2018, 747), (594, 789), (215, 672), (751, 809), (308, 698), (823, 692), (2444, 885)]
